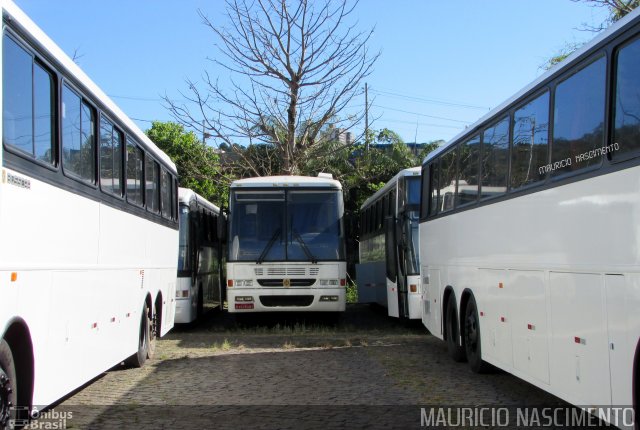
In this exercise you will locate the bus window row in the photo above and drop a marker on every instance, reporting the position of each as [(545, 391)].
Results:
[(48, 121), (556, 133), (372, 217)]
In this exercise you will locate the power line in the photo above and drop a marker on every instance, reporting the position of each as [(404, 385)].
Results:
[(421, 123), (422, 114), (428, 100)]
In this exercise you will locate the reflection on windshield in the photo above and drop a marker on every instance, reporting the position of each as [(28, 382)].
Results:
[(286, 225), (413, 190), (183, 250)]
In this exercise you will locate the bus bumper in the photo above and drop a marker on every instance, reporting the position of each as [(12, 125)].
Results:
[(242, 300)]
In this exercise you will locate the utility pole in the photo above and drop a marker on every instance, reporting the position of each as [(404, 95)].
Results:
[(205, 135), (366, 117)]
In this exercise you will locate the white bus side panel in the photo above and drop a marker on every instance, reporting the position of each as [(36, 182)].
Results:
[(80, 283), (568, 261)]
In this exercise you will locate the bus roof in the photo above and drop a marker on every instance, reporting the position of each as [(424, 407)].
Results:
[(72, 68), (558, 69), (186, 195), (413, 171), (286, 182)]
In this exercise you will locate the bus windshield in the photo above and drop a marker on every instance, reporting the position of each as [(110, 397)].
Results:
[(291, 225)]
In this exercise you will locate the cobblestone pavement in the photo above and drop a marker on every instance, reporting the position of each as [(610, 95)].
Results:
[(365, 371)]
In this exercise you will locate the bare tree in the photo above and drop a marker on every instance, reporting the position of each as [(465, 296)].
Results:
[(617, 9), (296, 65)]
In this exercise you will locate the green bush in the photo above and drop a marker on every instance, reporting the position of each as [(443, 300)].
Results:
[(352, 293)]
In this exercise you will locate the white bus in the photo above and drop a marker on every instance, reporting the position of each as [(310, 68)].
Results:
[(87, 266), (389, 270), (286, 245), (199, 287), (537, 271)]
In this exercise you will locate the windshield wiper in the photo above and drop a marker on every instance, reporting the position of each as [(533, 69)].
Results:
[(275, 236), (308, 253)]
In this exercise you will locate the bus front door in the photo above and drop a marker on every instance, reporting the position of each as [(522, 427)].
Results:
[(391, 263), (401, 251)]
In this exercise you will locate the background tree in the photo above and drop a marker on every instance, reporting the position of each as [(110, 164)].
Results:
[(198, 164), (296, 65)]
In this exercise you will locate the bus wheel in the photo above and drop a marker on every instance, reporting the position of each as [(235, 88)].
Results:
[(8, 388), (453, 334), (472, 338), (138, 359)]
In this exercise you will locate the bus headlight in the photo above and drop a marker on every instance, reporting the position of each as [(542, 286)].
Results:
[(182, 294), (329, 282)]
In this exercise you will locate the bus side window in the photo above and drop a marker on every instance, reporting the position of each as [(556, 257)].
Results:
[(434, 181), (165, 192), (578, 121), (494, 168), (152, 180), (135, 174), (110, 157), (626, 132), (467, 179), (446, 194), (530, 146), (28, 104), (78, 136)]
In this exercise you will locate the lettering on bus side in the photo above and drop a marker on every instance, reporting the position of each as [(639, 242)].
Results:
[(18, 181)]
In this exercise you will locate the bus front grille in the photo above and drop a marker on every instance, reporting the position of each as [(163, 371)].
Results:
[(278, 301), (280, 282)]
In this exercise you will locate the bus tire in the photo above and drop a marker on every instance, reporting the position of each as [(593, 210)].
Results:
[(8, 386), (153, 323), (140, 357), (472, 343), (456, 351)]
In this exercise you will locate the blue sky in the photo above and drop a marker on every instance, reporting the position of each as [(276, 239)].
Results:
[(443, 64)]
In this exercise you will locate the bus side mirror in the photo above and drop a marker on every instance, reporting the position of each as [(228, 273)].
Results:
[(222, 227)]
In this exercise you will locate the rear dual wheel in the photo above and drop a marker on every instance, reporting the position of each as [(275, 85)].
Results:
[(146, 339), (456, 351), (472, 343)]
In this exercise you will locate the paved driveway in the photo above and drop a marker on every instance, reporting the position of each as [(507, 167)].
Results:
[(365, 371)]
